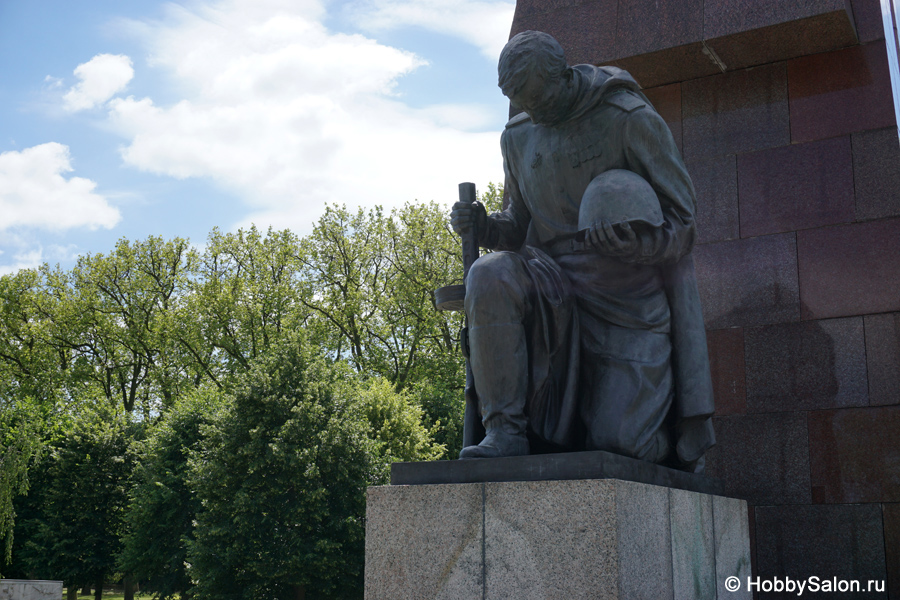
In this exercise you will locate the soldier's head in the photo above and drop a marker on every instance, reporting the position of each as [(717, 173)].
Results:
[(534, 75)]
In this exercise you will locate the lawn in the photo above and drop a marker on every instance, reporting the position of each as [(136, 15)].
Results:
[(110, 595)]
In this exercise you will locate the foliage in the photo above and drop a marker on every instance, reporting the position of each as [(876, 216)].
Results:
[(370, 282), (442, 404), (281, 477), (112, 314), (395, 424), (19, 449), (245, 299), (30, 366), (162, 506), (493, 198), (132, 335), (76, 505)]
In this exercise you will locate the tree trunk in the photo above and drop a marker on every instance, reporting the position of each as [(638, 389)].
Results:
[(299, 592), (129, 588), (98, 591), (72, 592), (86, 590)]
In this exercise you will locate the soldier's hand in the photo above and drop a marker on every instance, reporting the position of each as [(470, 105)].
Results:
[(613, 240), (465, 216)]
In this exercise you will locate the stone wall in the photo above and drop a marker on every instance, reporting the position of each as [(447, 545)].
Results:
[(784, 115), (30, 589)]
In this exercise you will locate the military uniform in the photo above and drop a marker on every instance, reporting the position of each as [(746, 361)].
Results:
[(610, 344)]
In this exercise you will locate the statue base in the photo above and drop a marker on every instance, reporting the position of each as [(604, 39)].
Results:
[(30, 589), (559, 538)]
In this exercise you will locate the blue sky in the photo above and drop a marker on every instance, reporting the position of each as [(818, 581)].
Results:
[(130, 119)]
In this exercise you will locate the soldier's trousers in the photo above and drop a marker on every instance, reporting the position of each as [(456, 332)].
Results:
[(622, 376)]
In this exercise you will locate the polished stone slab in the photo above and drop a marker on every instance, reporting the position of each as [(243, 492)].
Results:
[(543, 467)]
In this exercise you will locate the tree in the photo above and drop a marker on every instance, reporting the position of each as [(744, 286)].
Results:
[(30, 366), (109, 318), (74, 510), (162, 507), (395, 425), (147, 324), (370, 281), (281, 477), (282, 474), (20, 446), (246, 297), (344, 274)]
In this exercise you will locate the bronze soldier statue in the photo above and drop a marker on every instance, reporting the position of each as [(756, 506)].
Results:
[(584, 324)]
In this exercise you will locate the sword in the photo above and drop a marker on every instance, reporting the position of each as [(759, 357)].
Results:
[(473, 429), (452, 297)]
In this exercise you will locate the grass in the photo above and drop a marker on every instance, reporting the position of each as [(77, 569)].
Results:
[(110, 595)]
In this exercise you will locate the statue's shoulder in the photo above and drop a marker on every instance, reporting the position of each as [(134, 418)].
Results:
[(520, 118), (624, 99)]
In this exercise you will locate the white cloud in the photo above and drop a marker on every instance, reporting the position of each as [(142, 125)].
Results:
[(34, 193), (291, 115), (101, 78), (31, 255), (30, 259), (482, 23), (53, 82)]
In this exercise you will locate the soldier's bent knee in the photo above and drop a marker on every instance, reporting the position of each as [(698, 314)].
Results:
[(495, 281), (493, 270)]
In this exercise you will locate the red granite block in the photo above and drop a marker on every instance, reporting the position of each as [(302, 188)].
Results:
[(854, 453), (748, 282), (890, 513), (763, 458), (674, 23), (666, 48), (529, 7), (728, 17), (715, 181), (867, 15), (806, 366), (726, 362), (586, 30), (883, 357), (667, 102), (840, 92), (796, 187), (842, 541), (849, 269), (736, 112), (876, 171), (787, 40), (671, 65)]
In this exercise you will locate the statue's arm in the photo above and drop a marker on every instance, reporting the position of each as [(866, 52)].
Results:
[(650, 151), (506, 230)]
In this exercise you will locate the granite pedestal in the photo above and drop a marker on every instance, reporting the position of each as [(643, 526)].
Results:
[(30, 589), (554, 537)]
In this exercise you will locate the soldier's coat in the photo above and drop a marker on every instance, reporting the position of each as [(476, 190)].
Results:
[(601, 329)]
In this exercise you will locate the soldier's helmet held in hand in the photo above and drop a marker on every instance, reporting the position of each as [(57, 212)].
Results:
[(619, 196)]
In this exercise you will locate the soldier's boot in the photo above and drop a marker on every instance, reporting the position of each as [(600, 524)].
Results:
[(499, 359)]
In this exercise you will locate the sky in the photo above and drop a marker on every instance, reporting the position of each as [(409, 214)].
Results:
[(139, 118)]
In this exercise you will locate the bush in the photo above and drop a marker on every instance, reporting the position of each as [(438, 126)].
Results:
[(161, 514), (72, 519), (281, 477)]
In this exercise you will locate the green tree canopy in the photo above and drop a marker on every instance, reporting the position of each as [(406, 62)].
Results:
[(72, 520), (138, 331), (162, 506), (281, 477)]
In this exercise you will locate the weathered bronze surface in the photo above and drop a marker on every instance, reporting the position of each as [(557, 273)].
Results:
[(586, 337)]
